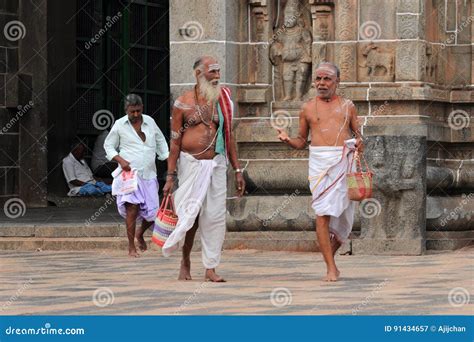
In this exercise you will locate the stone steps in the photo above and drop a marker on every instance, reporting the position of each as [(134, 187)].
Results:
[(273, 241), (81, 202)]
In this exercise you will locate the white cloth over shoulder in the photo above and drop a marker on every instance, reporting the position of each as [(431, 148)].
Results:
[(202, 191), (328, 166)]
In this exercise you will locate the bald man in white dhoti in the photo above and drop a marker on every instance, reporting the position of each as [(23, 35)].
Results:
[(328, 166), (335, 136)]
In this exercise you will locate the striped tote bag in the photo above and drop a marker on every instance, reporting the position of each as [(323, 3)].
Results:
[(165, 221)]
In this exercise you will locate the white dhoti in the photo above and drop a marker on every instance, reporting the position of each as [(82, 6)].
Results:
[(328, 166), (202, 191)]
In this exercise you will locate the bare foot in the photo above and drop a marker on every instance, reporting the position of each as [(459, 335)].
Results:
[(132, 253), (211, 275), (185, 271), (141, 244), (332, 275)]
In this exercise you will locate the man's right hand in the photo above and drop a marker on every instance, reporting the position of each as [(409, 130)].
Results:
[(282, 135), (168, 188), (125, 165)]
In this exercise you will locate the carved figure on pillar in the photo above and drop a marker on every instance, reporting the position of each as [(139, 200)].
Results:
[(291, 52), (398, 184)]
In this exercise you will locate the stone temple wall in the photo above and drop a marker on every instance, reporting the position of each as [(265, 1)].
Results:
[(407, 65), (22, 138)]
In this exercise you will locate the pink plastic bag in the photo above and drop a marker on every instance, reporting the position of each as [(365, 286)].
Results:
[(125, 182)]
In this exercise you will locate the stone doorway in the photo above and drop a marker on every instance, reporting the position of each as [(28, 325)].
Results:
[(121, 47)]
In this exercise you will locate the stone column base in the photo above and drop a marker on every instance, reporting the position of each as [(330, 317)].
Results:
[(389, 246)]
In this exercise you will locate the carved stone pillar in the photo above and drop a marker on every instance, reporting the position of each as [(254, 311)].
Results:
[(346, 59), (322, 14), (345, 55), (410, 21), (259, 18), (394, 220), (259, 32), (323, 26), (346, 20)]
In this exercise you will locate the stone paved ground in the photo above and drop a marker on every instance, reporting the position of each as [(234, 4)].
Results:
[(64, 283)]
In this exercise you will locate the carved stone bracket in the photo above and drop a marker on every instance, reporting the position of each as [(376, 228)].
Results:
[(259, 9), (259, 32), (323, 21)]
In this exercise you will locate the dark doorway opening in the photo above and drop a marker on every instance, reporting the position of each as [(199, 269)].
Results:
[(122, 47)]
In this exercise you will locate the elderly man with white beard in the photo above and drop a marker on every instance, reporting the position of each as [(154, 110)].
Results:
[(202, 144)]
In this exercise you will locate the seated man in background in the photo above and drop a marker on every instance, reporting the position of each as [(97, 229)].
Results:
[(79, 176), (101, 166)]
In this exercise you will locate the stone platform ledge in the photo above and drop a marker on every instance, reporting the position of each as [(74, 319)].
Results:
[(410, 91), (268, 241), (389, 246), (448, 244), (63, 230), (82, 202)]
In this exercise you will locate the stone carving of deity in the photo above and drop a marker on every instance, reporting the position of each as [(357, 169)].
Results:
[(291, 52)]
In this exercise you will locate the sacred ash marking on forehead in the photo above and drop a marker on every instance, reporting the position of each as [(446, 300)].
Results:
[(328, 69), (213, 67)]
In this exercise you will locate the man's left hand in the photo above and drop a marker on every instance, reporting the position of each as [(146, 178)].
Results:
[(239, 184)]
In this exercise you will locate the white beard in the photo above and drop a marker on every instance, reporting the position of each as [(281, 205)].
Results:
[(210, 92)]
